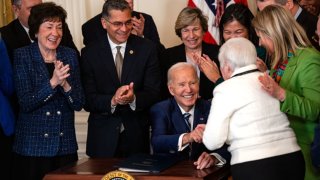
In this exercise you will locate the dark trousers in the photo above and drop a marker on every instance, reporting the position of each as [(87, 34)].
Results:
[(6, 155), (289, 166), (35, 168), (124, 150)]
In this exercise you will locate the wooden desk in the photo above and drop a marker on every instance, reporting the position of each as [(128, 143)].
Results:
[(91, 169)]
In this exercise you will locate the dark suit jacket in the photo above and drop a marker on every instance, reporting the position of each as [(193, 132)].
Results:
[(177, 54), (168, 124), (100, 82), (309, 24), (92, 30), (45, 125), (15, 37)]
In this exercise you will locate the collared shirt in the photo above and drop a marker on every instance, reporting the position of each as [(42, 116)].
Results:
[(191, 119), (298, 13), (113, 47), (194, 64), (27, 31)]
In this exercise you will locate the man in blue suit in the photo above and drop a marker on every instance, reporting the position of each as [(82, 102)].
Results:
[(119, 102), (178, 122)]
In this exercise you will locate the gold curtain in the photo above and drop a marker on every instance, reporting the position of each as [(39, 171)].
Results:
[(6, 12)]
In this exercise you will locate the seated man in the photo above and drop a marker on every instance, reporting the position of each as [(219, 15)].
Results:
[(178, 122)]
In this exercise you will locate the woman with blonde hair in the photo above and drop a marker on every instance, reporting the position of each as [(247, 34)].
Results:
[(294, 76)]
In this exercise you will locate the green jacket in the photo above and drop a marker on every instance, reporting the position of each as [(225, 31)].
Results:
[(301, 80)]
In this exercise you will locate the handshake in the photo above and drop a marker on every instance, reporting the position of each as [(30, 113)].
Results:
[(195, 135)]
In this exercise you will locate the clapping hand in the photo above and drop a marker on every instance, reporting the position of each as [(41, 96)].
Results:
[(208, 67), (124, 95), (60, 75)]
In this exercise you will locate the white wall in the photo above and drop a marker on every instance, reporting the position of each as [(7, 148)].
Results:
[(164, 13)]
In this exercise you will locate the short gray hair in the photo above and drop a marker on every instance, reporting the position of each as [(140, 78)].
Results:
[(179, 65), (237, 52)]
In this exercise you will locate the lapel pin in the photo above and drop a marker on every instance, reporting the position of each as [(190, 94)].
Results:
[(131, 51), (201, 119)]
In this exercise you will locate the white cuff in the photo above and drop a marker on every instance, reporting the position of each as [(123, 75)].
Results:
[(180, 147), (221, 160)]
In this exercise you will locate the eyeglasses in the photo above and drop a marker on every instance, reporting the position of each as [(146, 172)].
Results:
[(119, 24)]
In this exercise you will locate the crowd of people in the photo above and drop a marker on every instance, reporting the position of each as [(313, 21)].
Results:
[(252, 102)]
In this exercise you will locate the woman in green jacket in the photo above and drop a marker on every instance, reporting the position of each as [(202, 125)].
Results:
[(295, 75)]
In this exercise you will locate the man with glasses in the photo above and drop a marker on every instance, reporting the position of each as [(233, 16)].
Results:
[(121, 79), (143, 26)]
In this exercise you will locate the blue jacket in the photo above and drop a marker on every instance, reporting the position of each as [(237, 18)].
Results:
[(168, 124), (45, 126), (6, 90)]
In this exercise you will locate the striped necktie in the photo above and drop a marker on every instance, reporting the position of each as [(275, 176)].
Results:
[(186, 117)]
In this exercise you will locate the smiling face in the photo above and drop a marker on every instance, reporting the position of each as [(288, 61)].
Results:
[(49, 35), (234, 29), (118, 34), (192, 35), (184, 86)]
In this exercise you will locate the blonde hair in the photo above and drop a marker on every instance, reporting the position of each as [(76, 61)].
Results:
[(286, 34)]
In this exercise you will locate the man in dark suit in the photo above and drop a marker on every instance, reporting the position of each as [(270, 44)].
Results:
[(119, 102), (143, 26), (15, 34), (175, 133), (307, 20)]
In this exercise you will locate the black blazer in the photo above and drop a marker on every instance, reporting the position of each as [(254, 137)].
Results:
[(100, 83), (177, 54), (92, 30), (309, 23), (15, 37)]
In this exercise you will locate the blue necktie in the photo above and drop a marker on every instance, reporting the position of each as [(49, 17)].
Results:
[(186, 117)]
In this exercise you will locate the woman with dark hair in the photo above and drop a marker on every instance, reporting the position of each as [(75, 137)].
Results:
[(236, 22), (47, 80)]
